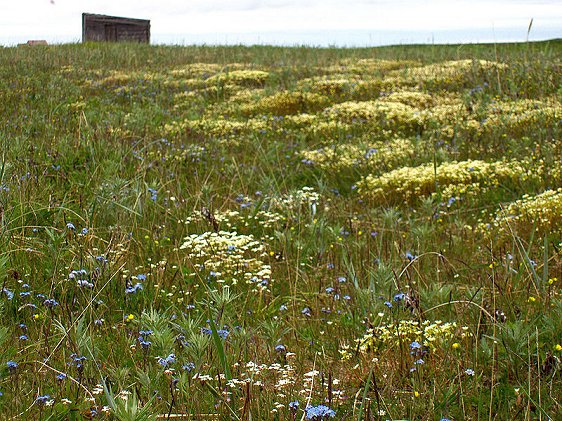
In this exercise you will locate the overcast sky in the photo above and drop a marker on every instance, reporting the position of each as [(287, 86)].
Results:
[(60, 20)]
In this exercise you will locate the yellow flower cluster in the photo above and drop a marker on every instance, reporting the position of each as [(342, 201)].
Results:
[(517, 117), (542, 212), (116, 78), (327, 129), (381, 155), (302, 120), (207, 94), (416, 99), (215, 128), (344, 87), (332, 87), (198, 70), (369, 66), (174, 153), (379, 113), (232, 257), (287, 102), (409, 183), (444, 73), (429, 334), (240, 77)]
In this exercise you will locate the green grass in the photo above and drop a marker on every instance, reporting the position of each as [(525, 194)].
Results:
[(177, 243)]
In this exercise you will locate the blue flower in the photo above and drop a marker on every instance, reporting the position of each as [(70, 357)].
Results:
[(70, 226), (388, 304), (370, 152), (293, 406), (77, 361), (141, 277), (188, 366), (329, 290), (8, 293), (399, 297), (280, 348), (134, 289), (50, 302), (415, 345), (23, 338), (153, 194), (84, 283), (61, 376), (223, 333), (12, 365), (42, 400), (169, 360), (319, 412), (84, 231), (306, 311)]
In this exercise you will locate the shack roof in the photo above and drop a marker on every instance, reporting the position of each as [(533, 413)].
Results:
[(115, 19)]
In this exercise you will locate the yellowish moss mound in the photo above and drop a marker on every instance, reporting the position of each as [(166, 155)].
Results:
[(410, 183), (541, 213)]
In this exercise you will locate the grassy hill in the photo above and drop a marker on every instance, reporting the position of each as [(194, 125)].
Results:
[(222, 232)]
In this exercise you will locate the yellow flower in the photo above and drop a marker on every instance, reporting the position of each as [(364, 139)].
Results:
[(130, 318), (456, 345), (558, 347), (532, 299), (416, 394)]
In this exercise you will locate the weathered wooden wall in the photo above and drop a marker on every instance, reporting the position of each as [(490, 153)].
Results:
[(114, 29)]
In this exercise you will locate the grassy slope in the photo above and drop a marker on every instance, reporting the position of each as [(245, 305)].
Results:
[(103, 137)]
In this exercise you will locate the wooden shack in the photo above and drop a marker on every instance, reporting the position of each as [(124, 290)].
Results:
[(114, 29)]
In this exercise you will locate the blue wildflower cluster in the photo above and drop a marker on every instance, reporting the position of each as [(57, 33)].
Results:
[(143, 341), (319, 412), (166, 362), (153, 194), (223, 333), (133, 289)]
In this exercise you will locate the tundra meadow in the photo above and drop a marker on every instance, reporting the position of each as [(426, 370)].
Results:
[(274, 233)]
